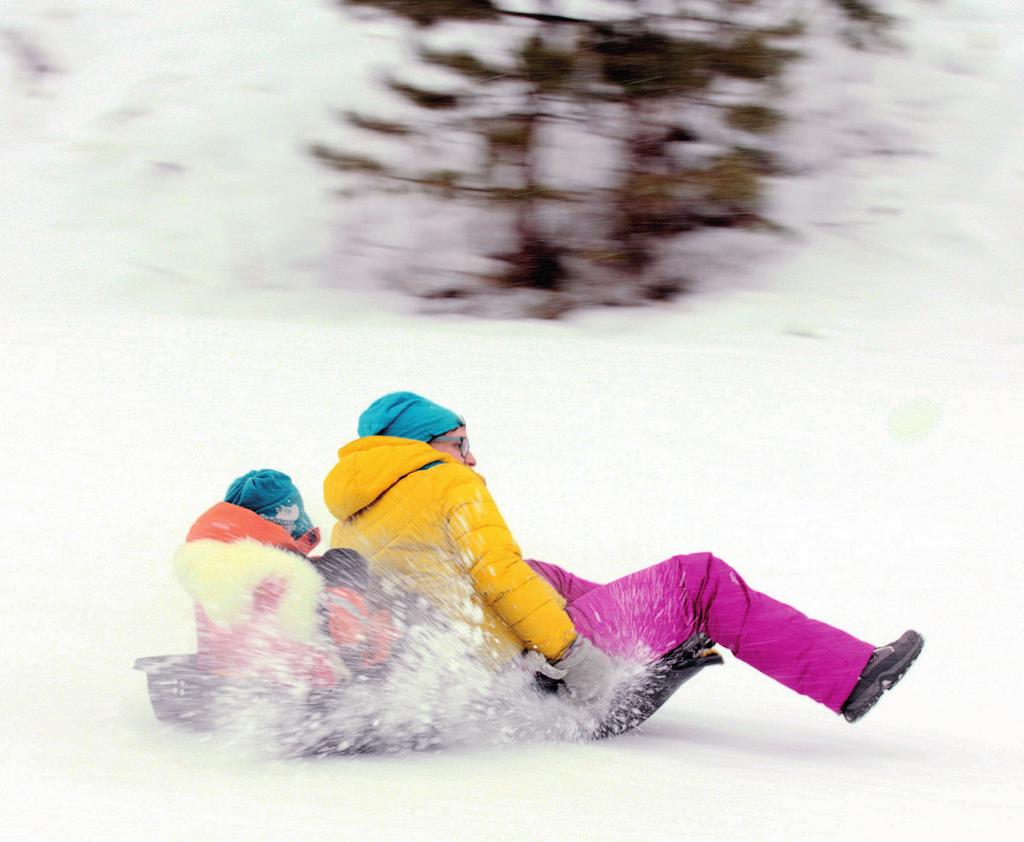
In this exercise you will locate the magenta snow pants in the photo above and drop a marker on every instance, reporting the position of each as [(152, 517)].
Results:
[(648, 613)]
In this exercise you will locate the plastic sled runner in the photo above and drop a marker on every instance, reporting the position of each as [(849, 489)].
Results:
[(185, 696), (179, 692), (635, 703)]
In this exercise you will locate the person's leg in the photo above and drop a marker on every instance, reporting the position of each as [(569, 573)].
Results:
[(648, 613), (570, 586)]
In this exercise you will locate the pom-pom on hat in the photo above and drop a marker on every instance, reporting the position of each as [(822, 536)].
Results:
[(408, 416), (274, 497)]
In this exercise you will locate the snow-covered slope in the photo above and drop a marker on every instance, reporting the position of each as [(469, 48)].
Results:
[(842, 422)]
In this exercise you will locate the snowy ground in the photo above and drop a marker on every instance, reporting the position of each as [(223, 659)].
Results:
[(844, 426)]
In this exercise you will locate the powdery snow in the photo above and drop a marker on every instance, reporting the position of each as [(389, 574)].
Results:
[(840, 419)]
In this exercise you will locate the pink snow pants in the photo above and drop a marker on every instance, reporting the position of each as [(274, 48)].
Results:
[(648, 613)]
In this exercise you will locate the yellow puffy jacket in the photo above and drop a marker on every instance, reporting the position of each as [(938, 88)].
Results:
[(439, 530)]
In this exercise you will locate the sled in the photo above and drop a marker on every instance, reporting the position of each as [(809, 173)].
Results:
[(185, 696), (636, 704), (179, 692), (637, 701)]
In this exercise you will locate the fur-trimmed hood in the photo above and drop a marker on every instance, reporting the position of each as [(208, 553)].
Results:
[(223, 579), (230, 553)]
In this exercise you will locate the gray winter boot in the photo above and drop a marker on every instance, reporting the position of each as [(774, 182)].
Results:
[(885, 667)]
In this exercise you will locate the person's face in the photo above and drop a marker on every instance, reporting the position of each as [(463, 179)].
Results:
[(455, 443)]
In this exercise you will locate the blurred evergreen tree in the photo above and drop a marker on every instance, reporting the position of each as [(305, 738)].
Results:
[(682, 92)]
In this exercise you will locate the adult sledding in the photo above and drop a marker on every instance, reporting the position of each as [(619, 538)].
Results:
[(419, 544)]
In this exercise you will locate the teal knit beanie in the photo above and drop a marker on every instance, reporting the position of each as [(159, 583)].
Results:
[(274, 497), (408, 416)]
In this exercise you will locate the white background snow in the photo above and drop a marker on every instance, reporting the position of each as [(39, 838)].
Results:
[(839, 414)]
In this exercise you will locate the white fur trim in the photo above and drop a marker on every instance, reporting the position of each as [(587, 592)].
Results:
[(222, 578)]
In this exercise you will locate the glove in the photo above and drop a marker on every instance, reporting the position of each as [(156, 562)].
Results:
[(588, 674), (534, 662)]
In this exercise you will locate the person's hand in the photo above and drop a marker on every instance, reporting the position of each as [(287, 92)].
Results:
[(588, 674), (537, 663)]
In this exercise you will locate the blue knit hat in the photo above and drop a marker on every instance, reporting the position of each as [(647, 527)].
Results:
[(408, 416), (274, 497)]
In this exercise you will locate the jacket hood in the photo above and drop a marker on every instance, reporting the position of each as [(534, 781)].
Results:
[(228, 523), (223, 578), (369, 466)]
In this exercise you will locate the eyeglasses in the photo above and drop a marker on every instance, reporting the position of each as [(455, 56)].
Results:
[(462, 440)]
